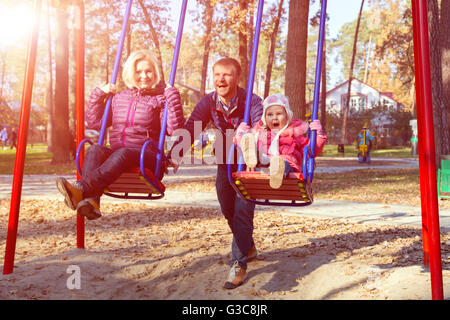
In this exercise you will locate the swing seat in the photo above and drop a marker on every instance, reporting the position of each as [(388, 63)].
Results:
[(133, 182), (254, 186)]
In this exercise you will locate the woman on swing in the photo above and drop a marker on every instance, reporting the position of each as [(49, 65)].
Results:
[(136, 115)]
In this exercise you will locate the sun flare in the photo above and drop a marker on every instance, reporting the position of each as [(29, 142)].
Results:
[(15, 23)]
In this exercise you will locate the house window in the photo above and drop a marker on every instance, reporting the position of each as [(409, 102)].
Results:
[(388, 105), (333, 104), (357, 103)]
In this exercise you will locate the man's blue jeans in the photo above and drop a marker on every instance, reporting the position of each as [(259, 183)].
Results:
[(102, 166), (239, 214)]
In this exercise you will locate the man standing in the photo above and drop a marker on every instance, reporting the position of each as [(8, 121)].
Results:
[(224, 109)]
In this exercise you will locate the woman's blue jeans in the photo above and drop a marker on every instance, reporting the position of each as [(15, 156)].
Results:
[(239, 214), (102, 166)]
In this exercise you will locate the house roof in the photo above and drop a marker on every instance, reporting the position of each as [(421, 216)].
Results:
[(385, 94)]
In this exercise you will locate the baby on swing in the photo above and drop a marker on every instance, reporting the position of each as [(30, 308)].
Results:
[(278, 138)]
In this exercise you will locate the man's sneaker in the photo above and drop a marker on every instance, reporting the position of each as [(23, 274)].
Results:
[(72, 192), (89, 208), (252, 254), (248, 147), (236, 276), (276, 169)]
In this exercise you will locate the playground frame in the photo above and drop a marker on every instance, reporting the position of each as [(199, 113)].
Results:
[(427, 156)]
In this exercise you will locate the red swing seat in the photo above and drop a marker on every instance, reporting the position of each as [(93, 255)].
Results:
[(254, 185)]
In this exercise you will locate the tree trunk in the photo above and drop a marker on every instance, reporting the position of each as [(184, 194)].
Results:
[(295, 79), (250, 31), (208, 21), (128, 39), (242, 35), (436, 75), (61, 147), (73, 85), (350, 78), (445, 64), (49, 98), (108, 56), (366, 60), (273, 42), (155, 40)]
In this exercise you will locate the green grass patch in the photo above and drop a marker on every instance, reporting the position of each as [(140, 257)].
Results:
[(400, 186), (37, 161), (331, 150)]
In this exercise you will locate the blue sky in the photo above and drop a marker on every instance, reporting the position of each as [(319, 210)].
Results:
[(339, 13)]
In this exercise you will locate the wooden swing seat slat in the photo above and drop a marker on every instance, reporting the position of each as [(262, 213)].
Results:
[(262, 187), (132, 181), (255, 185)]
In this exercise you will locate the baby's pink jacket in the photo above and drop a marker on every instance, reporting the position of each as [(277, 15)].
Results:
[(291, 143)]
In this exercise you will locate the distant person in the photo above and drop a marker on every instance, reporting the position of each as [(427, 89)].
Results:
[(278, 138), (365, 139), (136, 115), (4, 137), (13, 138)]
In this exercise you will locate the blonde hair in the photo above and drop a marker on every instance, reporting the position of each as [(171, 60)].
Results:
[(129, 68)]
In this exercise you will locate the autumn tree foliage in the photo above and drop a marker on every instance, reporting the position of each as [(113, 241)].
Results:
[(384, 56)]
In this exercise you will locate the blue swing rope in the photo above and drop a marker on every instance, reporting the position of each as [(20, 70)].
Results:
[(123, 34), (308, 164), (309, 152), (173, 71), (160, 151), (101, 136), (251, 76)]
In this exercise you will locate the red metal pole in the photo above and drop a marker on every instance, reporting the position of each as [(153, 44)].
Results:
[(80, 104), (19, 163), (423, 172), (427, 154)]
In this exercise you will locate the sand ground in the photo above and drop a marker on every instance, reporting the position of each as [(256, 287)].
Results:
[(144, 251)]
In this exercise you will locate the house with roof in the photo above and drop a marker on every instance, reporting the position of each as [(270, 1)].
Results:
[(363, 97)]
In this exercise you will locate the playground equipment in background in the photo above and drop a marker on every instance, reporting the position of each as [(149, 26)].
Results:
[(364, 145), (203, 146), (296, 188), (443, 178)]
